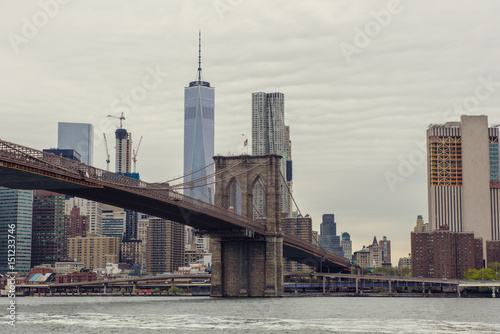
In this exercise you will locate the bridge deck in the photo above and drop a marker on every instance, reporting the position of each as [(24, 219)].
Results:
[(25, 168)]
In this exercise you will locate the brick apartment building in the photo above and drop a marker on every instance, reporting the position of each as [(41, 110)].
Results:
[(445, 254)]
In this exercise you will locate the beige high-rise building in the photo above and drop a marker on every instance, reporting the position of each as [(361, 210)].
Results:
[(94, 250), (463, 177), (421, 226)]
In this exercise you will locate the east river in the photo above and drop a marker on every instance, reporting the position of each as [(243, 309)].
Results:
[(281, 315)]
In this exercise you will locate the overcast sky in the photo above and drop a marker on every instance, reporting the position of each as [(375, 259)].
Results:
[(362, 81)]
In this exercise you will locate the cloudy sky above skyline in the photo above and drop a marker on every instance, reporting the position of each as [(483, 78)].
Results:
[(362, 81)]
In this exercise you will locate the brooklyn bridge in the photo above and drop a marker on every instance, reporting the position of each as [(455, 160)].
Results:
[(247, 251)]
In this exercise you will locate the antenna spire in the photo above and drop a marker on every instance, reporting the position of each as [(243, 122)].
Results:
[(199, 56)]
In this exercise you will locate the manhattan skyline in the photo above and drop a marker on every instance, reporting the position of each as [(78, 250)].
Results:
[(354, 117)]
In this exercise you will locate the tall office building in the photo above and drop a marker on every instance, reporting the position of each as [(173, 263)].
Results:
[(88, 208), (385, 245), (346, 244), (79, 137), (131, 221), (113, 222), (48, 236), (75, 224), (165, 246), (142, 235), (199, 142), (199, 134), (328, 238), (269, 136), (123, 151), (16, 208), (463, 177), (421, 226), (376, 255)]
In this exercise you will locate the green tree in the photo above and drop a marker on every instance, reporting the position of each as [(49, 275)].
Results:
[(495, 266), (482, 274), (392, 271), (175, 290), (156, 291), (405, 271)]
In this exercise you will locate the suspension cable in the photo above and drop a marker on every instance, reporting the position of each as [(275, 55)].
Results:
[(300, 213), (206, 176), (180, 177), (228, 178)]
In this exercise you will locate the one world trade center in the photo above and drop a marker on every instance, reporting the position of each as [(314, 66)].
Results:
[(199, 137)]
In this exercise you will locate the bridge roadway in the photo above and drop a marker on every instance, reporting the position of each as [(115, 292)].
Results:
[(26, 168)]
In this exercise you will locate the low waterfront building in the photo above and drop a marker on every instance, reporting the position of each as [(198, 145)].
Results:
[(75, 277), (68, 267)]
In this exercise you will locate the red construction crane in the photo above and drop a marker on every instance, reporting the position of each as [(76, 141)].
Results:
[(134, 154), (121, 118)]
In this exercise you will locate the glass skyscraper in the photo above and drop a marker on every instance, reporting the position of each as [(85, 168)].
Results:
[(199, 128), (79, 137), (16, 207), (329, 239)]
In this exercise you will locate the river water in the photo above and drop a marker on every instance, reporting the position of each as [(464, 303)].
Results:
[(278, 315)]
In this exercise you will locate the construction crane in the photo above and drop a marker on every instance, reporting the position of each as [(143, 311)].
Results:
[(107, 152), (134, 154), (121, 118)]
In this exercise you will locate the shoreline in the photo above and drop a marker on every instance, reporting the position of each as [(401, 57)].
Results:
[(329, 295)]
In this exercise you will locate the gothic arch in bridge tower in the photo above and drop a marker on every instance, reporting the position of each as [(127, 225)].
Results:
[(233, 192), (258, 198), (254, 175)]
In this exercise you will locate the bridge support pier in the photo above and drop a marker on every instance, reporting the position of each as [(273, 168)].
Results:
[(247, 268), (243, 264)]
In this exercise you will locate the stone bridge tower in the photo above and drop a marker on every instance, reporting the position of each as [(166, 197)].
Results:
[(244, 265)]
